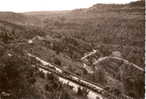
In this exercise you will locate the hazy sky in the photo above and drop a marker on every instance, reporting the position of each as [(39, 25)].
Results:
[(38, 5)]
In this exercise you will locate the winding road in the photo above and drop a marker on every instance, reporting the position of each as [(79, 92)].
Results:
[(120, 59), (112, 57)]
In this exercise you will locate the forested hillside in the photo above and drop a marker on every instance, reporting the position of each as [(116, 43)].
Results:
[(63, 38)]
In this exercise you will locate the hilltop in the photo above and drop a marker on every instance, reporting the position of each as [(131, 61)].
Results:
[(19, 18)]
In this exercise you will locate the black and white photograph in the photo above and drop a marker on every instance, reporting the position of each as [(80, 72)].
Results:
[(72, 49)]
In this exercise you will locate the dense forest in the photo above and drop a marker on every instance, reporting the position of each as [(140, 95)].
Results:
[(63, 38)]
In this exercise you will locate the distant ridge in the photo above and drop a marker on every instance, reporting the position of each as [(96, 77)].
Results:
[(19, 18)]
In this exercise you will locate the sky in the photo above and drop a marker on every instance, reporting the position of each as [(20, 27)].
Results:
[(46, 5)]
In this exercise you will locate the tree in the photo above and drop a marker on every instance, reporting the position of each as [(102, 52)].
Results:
[(99, 76), (16, 76), (57, 61), (82, 92)]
